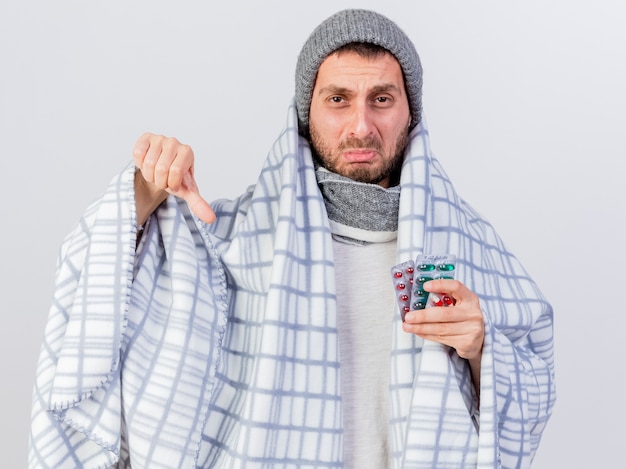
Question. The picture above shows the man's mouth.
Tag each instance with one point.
(359, 155)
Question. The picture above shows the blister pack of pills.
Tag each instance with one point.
(409, 278)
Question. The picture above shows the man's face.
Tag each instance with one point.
(359, 116)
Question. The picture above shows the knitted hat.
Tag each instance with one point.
(346, 27)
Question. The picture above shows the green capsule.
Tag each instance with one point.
(423, 279)
(426, 267)
(446, 267)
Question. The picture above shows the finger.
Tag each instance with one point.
(200, 207)
(140, 149)
(163, 158)
(180, 167)
(151, 157)
(449, 286)
(433, 315)
(449, 292)
(196, 203)
(444, 333)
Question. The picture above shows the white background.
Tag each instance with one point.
(525, 102)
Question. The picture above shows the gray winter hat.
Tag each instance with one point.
(349, 26)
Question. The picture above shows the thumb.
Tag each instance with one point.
(196, 203)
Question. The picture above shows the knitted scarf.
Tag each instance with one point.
(216, 346)
(359, 213)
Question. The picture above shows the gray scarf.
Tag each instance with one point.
(359, 213)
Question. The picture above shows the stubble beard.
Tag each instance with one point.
(366, 173)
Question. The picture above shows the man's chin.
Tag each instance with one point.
(363, 173)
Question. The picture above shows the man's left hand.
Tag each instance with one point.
(460, 326)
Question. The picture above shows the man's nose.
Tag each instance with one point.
(361, 120)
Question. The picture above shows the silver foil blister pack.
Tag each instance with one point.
(409, 278)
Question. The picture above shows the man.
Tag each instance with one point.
(264, 331)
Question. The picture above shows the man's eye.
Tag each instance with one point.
(382, 99)
(336, 99)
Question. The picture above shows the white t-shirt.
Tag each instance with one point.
(365, 308)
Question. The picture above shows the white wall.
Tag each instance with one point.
(525, 103)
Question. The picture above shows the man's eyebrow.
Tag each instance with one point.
(333, 89)
(341, 90)
(386, 87)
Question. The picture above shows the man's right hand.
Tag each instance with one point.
(166, 166)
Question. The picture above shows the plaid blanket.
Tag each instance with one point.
(216, 345)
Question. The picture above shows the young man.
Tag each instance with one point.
(264, 331)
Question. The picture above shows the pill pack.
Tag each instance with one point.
(409, 278)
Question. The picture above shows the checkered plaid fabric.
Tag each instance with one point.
(216, 345)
